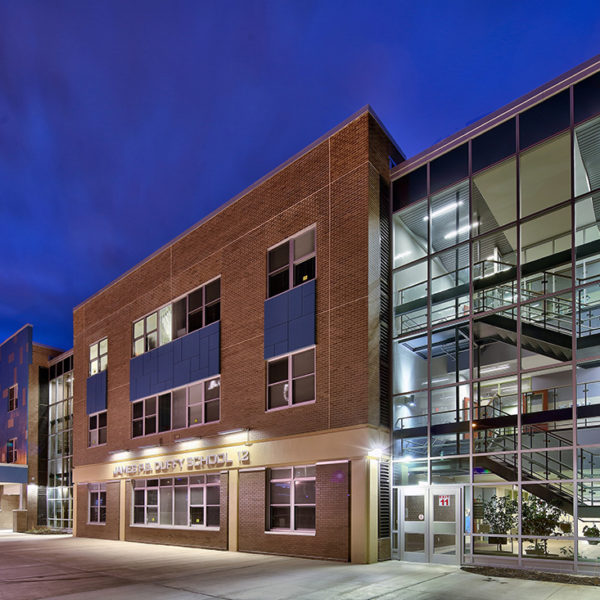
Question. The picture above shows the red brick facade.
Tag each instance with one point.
(329, 186)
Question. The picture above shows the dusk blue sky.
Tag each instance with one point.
(122, 123)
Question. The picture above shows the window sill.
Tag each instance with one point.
(174, 339)
(98, 445)
(179, 527)
(94, 523)
(270, 410)
(292, 288)
(289, 532)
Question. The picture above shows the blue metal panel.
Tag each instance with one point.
(290, 320)
(96, 392)
(16, 354)
(182, 361)
(13, 473)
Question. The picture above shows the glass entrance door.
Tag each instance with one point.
(429, 519)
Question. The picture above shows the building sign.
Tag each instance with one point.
(444, 500)
(181, 465)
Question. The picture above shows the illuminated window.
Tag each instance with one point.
(193, 311)
(196, 404)
(97, 429)
(98, 356)
(291, 379)
(292, 499)
(180, 501)
(97, 503)
(11, 451)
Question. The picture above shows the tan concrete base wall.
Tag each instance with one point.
(8, 503)
(331, 539)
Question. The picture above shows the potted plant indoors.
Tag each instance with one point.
(539, 519)
(500, 513)
(592, 532)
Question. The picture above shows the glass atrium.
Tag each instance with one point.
(496, 350)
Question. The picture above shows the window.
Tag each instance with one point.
(292, 263)
(98, 356)
(97, 502)
(97, 429)
(291, 379)
(13, 397)
(195, 404)
(177, 501)
(11, 451)
(292, 499)
(194, 311)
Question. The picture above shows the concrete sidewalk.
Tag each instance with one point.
(35, 567)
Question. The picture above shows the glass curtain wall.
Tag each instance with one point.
(496, 316)
(60, 451)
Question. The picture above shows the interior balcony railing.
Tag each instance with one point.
(494, 432)
(538, 311)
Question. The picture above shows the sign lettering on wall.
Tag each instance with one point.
(181, 465)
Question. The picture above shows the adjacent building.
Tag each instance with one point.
(360, 357)
(23, 430)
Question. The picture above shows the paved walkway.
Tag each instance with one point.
(33, 567)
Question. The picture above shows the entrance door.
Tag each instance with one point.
(430, 524)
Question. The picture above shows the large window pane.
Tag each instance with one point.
(495, 196)
(586, 96)
(546, 328)
(410, 234)
(449, 168)
(410, 188)
(495, 344)
(410, 364)
(587, 239)
(494, 145)
(494, 270)
(410, 298)
(588, 321)
(449, 217)
(545, 173)
(449, 273)
(546, 254)
(449, 357)
(544, 120)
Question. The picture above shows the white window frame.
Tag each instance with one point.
(199, 480)
(188, 404)
(292, 262)
(96, 491)
(291, 379)
(98, 356)
(13, 397)
(292, 504)
(159, 338)
(95, 432)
